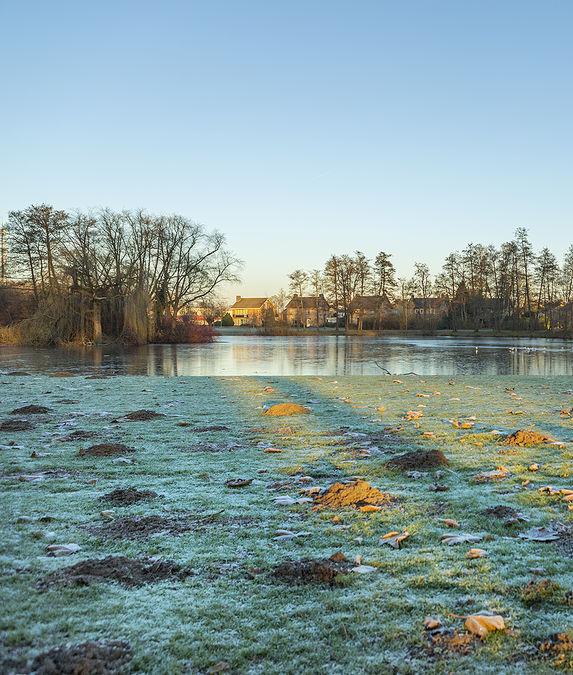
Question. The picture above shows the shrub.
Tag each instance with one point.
(227, 320)
(183, 331)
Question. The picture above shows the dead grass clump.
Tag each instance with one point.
(30, 410)
(308, 571)
(93, 658)
(16, 425)
(419, 459)
(355, 494)
(105, 450)
(558, 648)
(142, 415)
(130, 572)
(286, 409)
(128, 496)
(526, 438)
(135, 527)
(62, 373)
(445, 641)
(537, 592)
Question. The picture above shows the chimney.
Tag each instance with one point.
(237, 298)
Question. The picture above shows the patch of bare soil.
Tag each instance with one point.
(78, 435)
(135, 527)
(30, 410)
(62, 373)
(142, 415)
(357, 494)
(309, 571)
(445, 641)
(130, 572)
(565, 542)
(87, 658)
(19, 373)
(128, 496)
(419, 459)
(286, 409)
(526, 438)
(505, 513)
(105, 450)
(16, 425)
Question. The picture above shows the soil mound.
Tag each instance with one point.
(135, 527)
(87, 658)
(105, 450)
(285, 409)
(444, 641)
(526, 438)
(130, 572)
(30, 410)
(142, 415)
(501, 512)
(356, 494)
(559, 648)
(16, 425)
(127, 496)
(309, 571)
(420, 459)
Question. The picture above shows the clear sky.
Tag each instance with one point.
(300, 128)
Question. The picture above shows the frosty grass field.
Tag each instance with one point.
(228, 603)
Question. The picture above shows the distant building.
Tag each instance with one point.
(435, 307)
(251, 311)
(307, 311)
(369, 311)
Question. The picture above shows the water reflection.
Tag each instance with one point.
(309, 355)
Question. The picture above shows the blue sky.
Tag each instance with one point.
(299, 128)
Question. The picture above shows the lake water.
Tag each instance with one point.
(308, 355)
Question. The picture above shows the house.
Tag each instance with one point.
(251, 311)
(369, 311)
(435, 307)
(307, 311)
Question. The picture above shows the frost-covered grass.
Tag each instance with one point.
(255, 623)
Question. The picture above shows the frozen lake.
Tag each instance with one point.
(308, 355)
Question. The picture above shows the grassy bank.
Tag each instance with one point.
(230, 610)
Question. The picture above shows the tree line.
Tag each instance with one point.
(510, 287)
(124, 274)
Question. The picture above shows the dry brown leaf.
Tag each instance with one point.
(394, 539)
(412, 415)
(450, 522)
(369, 508)
(476, 553)
(483, 624)
(431, 623)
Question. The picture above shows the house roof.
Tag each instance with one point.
(428, 303)
(370, 303)
(249, 303)
(307, 302)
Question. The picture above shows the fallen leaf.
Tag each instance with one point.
(271, 451)
(394, 539)
(369, 508)
(450, 522)
(363, 569)
(431, 623)
(454, 539)
(476, 553)
(59, 550)
(497, 474)
(238, 482)
(483, 624)
(412, 415)
(540, 534)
